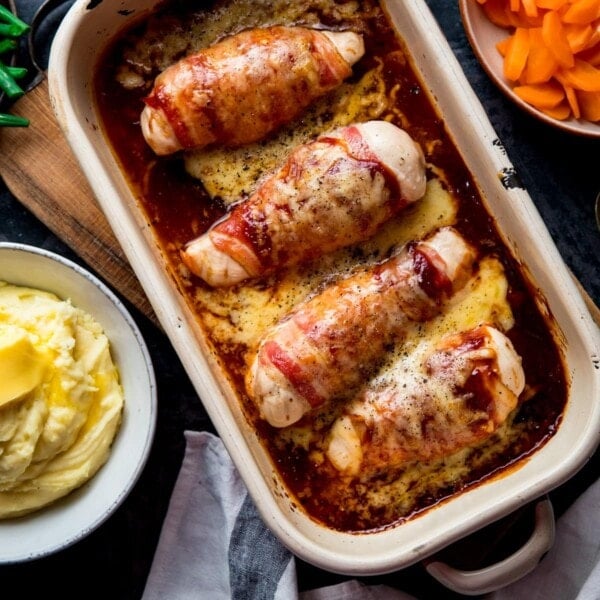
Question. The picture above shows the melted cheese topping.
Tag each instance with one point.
(236, 318)
(242, 318)
(231, 174)
(398, 492)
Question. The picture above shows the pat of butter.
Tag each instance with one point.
(21, 365)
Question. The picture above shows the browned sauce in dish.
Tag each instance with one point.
(182, 195)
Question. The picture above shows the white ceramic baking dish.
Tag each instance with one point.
(84, 33)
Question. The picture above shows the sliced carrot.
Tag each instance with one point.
(582, 76)
(595, 39)
(525, 16)
(578, 36)
(572, 100)
(530, 8)
(582, 12)
(560, 112)
(555, 39)
(552, 53)
(541, 64)
(551, 4)
(497, 12)
(591, 55)
(516, 54)
(502, 45)
(541, 95)
(524, 19)
(590, 105)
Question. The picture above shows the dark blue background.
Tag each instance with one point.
(562, 174)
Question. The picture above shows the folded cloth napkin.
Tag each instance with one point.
(214, 545)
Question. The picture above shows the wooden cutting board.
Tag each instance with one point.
(41, 171)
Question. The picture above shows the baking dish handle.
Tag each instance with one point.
(509, 570)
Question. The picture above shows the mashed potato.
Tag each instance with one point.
(60, 399)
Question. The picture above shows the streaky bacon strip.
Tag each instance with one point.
(464, 390)
(330, 193)
(292, 370)
(243, 87)
(335, 340)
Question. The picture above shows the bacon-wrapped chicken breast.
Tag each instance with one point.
(331, 343)
(245, 86)
(330, 193)
(465, 390)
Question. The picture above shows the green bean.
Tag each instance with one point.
(7, 83)
(7, 120)
(11, 19)
(7, 46)
(11, 28)
(11, 31)
(16, 72)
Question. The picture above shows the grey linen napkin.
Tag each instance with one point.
(214, 545)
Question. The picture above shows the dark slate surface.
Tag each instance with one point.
(561, 173)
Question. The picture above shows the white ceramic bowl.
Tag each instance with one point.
(483, 36)
(81, 40)
(72, 518)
